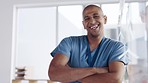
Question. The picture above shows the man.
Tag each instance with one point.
(90, 58)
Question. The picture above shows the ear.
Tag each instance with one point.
(105, 19)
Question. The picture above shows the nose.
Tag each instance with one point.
(92, 21)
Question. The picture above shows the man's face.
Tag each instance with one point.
(93, 21)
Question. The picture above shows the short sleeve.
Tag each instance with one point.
(119, 53)
(63, 48)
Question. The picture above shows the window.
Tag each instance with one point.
(69, 21)
(40, 29)
(36, 38)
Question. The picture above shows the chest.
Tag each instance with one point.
(79, 56)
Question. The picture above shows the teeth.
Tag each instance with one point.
(94, 27)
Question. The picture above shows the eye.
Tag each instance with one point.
(96, 16)
(86, 18)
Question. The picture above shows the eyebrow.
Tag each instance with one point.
(85, 17)
(93, 15)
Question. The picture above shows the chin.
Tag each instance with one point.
(95, 35)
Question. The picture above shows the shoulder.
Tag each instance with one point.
(113, 42)
(74, 38)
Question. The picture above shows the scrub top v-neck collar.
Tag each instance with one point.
(92, 58)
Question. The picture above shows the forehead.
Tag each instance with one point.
(92, 10)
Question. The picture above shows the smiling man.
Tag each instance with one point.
(90, 58)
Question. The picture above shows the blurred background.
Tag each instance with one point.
(37, 27)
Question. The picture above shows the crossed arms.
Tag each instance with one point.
(61, 72)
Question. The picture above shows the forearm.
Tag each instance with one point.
(67, 74)
(114, 75)
(102, 70)
(102, 78)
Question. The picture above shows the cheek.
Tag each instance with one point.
(85, 25)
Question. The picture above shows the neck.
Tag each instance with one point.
(94, 42)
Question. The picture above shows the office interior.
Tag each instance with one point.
(30, 30)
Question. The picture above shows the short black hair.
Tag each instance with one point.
(91, 5)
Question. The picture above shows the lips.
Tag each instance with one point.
(94, 27)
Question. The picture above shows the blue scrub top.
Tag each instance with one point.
(76, 49)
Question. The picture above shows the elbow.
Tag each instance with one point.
(114, 81)
(54, 75)
(51, 77)
(51, 74)
(117, 80)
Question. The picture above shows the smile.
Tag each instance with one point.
(94, 27)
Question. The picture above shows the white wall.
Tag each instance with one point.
(5, 40)
(6, 23)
